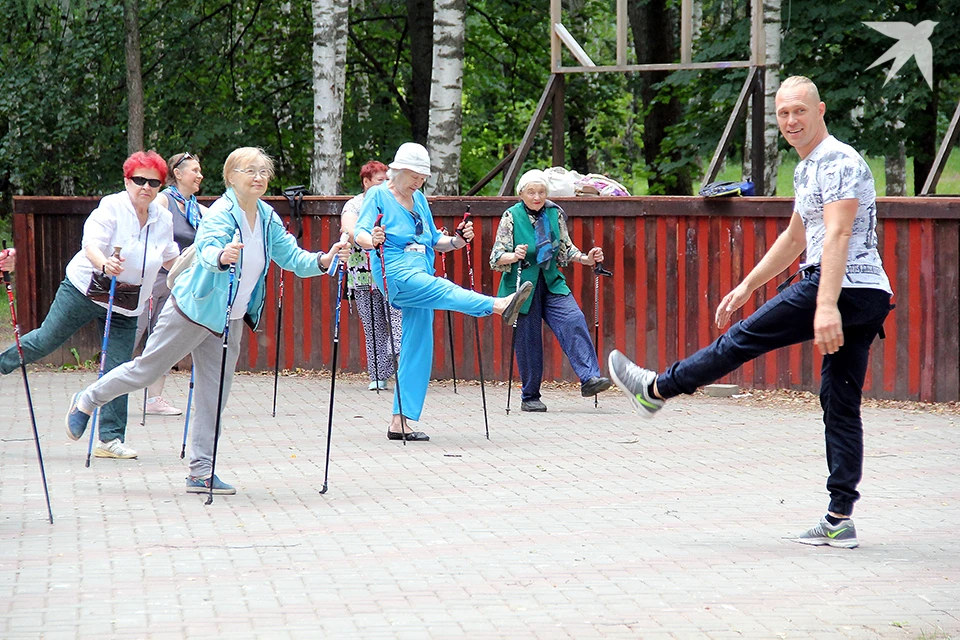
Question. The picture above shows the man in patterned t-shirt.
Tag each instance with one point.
(840, 302)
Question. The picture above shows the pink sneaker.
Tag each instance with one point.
(159, 407)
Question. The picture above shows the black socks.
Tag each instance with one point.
(834, 521)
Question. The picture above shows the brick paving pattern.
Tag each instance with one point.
(576, 523)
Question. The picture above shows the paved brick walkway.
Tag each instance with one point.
(577, 523)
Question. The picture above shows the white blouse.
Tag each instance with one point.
(114, 223)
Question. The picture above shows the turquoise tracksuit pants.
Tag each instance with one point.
(418, 294)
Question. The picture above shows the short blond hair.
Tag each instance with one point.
(243, 157)
(796, 82)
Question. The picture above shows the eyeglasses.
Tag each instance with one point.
(140, 181)
(185, 156)
(418, 221)
(259, 173)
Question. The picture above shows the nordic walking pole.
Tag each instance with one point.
(393, 343)
(103, 356)
(513, 340)
(598, 271)
(453, 358)
(483, 393)
(223, 369)
(26, 384)
(333, 374)
(276, 360)
(143, 418)
(186, 422)
(373, 337)
(294, 197)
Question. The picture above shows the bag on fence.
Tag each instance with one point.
(594, 184)
(560, 182)
(715, 189)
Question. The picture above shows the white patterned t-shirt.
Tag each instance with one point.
(835, 171)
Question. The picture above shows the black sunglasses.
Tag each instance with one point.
(418, 221)
(140, 181)
(185, 156)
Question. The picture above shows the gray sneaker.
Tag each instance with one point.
(635, 382)
(843, 535)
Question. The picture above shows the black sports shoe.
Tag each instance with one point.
(533, 405)
(595, 385)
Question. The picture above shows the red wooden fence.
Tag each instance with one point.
(673, 259)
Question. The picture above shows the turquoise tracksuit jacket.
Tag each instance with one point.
(201, 290)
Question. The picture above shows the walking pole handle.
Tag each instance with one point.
(466, 218)
(600, 271)
(6, 274)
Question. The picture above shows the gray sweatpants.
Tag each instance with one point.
(173, 338)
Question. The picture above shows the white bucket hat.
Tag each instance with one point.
(534, 176)
(412, 156)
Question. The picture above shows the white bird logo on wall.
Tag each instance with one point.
(912, 41)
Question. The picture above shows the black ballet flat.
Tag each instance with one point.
(410, 436)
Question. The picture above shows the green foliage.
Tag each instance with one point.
(219, 74)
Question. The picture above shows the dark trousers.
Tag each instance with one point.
(788, 319)
(70, 311)
(566, 320)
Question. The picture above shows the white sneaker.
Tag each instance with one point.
(159, 407)
(114, 449)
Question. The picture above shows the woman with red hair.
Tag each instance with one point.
(144, 233)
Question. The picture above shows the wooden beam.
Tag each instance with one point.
(946, 146)
(558, 125)
(758, 40)
(686, 32)
(555, 16)
(660, 66)
(622, 21)
(573, 45)
(735, 117)
(506, 189)
(492, 174)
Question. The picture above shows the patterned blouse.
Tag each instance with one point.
(567, 253)
(358, 264)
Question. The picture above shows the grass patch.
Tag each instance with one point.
(6, 328)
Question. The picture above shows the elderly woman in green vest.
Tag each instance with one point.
(533, 238)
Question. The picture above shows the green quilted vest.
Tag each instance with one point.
(523, 233)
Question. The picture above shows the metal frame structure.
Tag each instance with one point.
(553, 93)
(949, 139)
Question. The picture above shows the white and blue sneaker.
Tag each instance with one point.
(76, 419)
(635, 382)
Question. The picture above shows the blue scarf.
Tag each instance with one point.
(547, 243)
(191, 208)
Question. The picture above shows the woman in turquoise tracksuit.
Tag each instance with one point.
(410, 237)
(238, 229)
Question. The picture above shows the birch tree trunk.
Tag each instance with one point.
(771, 130)
(895, 170)
(329, 62)
(771, 80)
(446, 92)
(131, 27)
